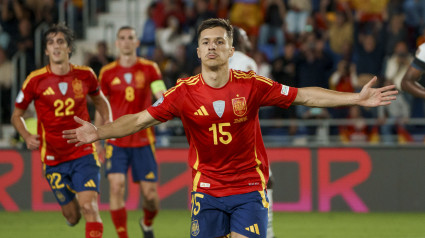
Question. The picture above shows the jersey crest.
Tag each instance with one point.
(63, 87)
(139, 79)
(77, 86)
(239, 106)
(219, 107)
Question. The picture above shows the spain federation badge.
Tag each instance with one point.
(239, 106)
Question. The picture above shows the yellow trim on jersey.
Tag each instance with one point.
(265, 80)
(151, 63)
(195, 166)
(151, 139)
(107, 67)
(242, 74)
(84, 68)
(34, 74)
(264, 200)
(43, 138)
(157, 86)
(95, 155)
(190, 81)
(196, 181)
(263, 180)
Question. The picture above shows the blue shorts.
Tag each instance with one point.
(245, 214)
(68, 178)
(141, 160)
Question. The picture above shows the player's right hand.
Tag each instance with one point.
(87, 133)
(32, 142)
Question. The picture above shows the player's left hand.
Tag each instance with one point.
(85, 134)
(372, 97)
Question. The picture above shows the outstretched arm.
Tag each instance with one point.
(121, 127)
(368, 97)
(410, 84)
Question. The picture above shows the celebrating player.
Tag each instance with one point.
(59, 92)
(219, 110)
(128, 83)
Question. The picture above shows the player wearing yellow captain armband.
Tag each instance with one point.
(59, 92)
(219, 111)
(129, 83)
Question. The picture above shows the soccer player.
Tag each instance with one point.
(129, 83)
(410, 83)
(241, 61)
(59, 92)
(219, 110)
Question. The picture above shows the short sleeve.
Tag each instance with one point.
(26, 94)
(168, 106)
(271, 93)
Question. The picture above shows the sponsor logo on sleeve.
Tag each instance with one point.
(20, 97)
(158, 102)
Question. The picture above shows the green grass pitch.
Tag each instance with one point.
(176, 224)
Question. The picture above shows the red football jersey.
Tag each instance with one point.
(128, 90)
(57, 99)
(226, 151)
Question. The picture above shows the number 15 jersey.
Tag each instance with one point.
(226, 151)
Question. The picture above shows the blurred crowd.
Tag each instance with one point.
(336, 44)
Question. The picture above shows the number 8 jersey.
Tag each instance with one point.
(57, 99)
(226, 151)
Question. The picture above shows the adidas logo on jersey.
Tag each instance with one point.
(48, 91)
(201, 112)
(90, 184)
(150, 175)
(116, 81)
(253, 229)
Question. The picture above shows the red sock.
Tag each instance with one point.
(149, 216)
(94, 229)
(119, 218)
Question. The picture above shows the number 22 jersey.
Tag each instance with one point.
(226, 150)
(57, 99)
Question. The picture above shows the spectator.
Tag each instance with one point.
(147, 39)
(344, 79)
(271, 38)
(395, 33)
(5, 85)
(247, 15)
(97, 60)
(296, 17)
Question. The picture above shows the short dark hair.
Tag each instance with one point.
(125, 28)
(68, 33)
(217, 22)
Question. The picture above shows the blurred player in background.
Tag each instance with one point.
(410, 83)
(129, 83)
(219, 110)
(59, 92)
(241, 61)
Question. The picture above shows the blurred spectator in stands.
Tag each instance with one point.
(147, 39)
(340, 34)
(264, 67)
(171, 37)
(395, 32)
(393, 118)
(415, 19)
(247, 15)
(369, 48)
(44, 10)
(397, 64)
(12, 13)
(201, 12)
(358, 132)
(4, 38)
(100, 58)
(370, 10)
(344, 79)
(283, 72)
(240, 59)
(168, 8)
(221, 8)
(6, 69)
(25, 43)
(296, 17)
(271, 38)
